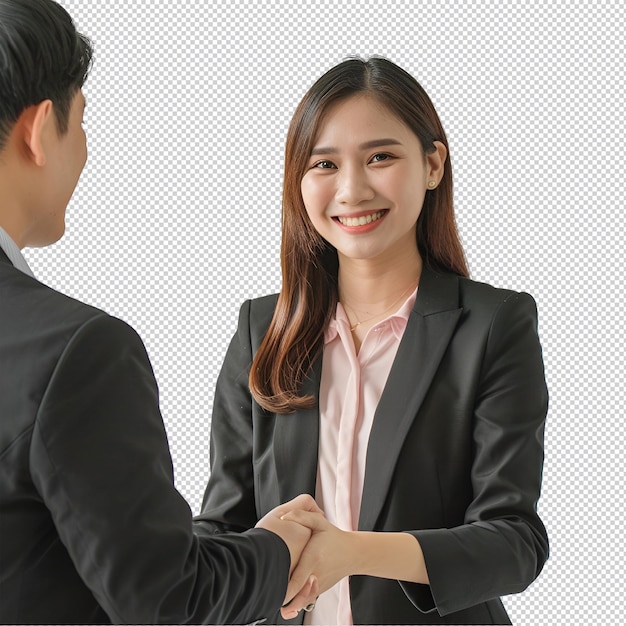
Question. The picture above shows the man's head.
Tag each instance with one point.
(42, 57)
(44, 62)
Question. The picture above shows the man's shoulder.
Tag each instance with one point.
(38, 324)
(26, 302)
(41, 331)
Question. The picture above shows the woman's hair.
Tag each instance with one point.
(308, 297)
(41, 57)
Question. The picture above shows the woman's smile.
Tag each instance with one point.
(361, 222)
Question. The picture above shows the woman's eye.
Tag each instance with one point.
(381, 156)
(324, 165)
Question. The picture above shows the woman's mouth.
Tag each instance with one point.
(361, 220)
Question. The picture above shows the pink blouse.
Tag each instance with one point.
(350, 389)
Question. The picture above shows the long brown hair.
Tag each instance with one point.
(308, 297)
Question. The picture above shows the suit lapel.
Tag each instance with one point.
(296, 443)
(429, 330)
(4, 258)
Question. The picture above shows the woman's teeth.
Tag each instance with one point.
(362, 220)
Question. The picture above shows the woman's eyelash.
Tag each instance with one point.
(324, 164)
(381, 154)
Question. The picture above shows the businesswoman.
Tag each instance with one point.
(407, 398)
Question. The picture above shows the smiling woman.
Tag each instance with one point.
(353, 188)
(388, 101)
(408, 399)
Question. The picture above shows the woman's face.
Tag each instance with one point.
(366, 180)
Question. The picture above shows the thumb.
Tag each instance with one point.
(304, 597)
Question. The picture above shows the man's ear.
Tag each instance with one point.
(35, 122)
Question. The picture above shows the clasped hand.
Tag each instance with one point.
(320, 552)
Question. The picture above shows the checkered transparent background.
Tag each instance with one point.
(176, 218)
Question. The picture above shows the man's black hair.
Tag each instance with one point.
(42, 57)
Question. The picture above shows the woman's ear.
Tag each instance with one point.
(34, 124)
(435, 164)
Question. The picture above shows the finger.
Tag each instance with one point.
(299, 601)
(303, 502)
(301, 574)
(313, 521)
(304, 598)
(311, 505)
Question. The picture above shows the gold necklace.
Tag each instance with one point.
(369, 319)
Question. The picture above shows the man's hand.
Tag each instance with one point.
(296, 536)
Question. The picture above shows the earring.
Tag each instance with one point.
(431, 184)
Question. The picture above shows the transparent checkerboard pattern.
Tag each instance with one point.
(176, 218)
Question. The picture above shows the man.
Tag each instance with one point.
(91, 527)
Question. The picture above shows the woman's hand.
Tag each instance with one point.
(329, 556)
(332, 554)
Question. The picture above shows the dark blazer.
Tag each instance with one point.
(92, 529)
(455, 453)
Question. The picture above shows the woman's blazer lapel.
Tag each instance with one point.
(429, 330)
(296, 436)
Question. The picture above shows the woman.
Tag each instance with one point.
(408, 399)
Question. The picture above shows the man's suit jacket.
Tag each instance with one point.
(455, 453)
(91, 526)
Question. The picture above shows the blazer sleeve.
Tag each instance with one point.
(101, 463)
(502, 546)
(229, 500)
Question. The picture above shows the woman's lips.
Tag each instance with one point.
(360, 221)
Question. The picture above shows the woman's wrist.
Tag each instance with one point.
(396, 556)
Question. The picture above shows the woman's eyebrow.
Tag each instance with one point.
(375, 143)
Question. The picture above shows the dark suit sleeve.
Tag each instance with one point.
(503, 545)
(101, 463)
(229, 501)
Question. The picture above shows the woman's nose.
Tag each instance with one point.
(353, 187)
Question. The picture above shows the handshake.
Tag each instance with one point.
(321, 554)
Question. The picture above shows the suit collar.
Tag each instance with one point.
(4, 258)
(13, 254)
(437, 293)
